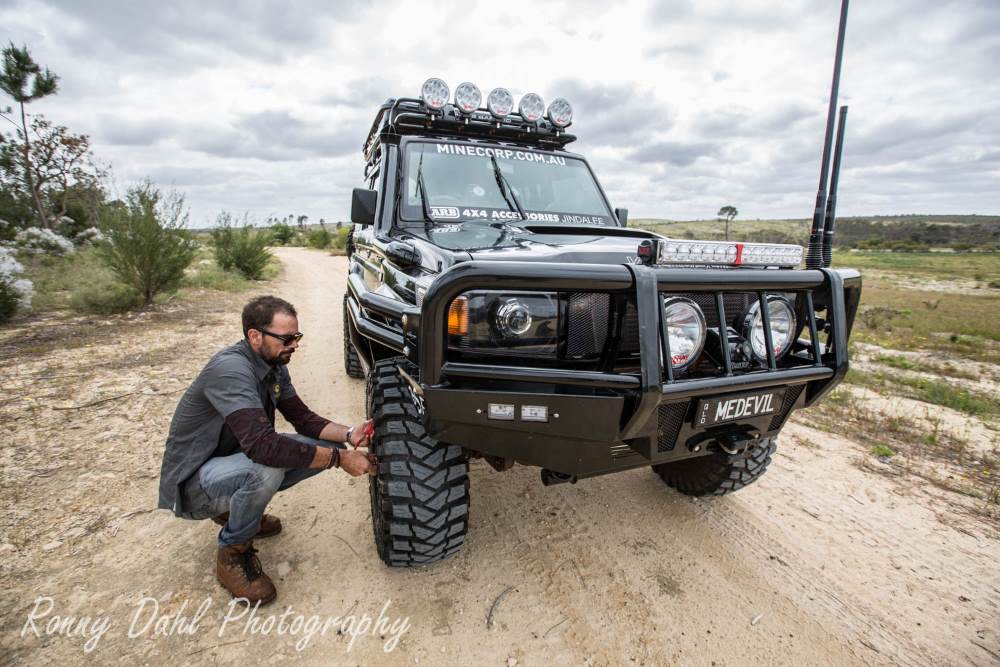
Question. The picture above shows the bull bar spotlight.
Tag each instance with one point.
(686, 327)
(783, 326)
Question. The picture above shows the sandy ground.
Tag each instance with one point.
(821, 562)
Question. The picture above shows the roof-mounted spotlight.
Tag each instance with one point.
(500, 102)
(434, 93)
(560, 112)
(468, 97)
(531, 107)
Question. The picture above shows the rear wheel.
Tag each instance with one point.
(420, 495)
(352, 363)
(718, 473)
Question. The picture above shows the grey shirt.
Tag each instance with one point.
(236, 388)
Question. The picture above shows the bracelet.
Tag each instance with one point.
(334, 458)
(350, 432)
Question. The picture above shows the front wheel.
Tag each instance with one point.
(718, 473)
(420, 495)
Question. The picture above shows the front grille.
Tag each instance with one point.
(588, 322)
(669, 420)
(735, 303)
(791, 395)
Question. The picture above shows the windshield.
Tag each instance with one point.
(491, 183)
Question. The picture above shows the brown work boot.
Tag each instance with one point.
(269, 525)
(238, 570)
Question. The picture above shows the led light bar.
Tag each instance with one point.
(728, 254)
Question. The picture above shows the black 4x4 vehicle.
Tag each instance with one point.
(500, 308)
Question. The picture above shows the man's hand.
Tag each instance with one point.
(356, 463)
(361, 435)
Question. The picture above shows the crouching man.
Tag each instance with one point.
(223, 459)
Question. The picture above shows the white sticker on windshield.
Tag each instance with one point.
(502, 153)
(445, 212)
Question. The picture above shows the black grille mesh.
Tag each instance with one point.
(791, 395)
(669, 420)
(589, 320)
(735, 303)
(588, 324)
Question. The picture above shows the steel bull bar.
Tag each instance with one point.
(598, 420)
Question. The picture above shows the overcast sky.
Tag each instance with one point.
(680, 106)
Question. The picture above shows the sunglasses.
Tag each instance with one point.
(285, 339)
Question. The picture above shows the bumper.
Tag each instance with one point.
(613, 421)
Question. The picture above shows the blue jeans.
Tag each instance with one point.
(237, 485)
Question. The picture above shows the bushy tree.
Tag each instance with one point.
(146, 244)
(240, 247)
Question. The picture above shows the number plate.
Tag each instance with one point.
(714, 411)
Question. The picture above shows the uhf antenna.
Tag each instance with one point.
(831, 203)
(814, 257)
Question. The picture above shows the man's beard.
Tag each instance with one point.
(279, 359)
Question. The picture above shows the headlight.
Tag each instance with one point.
(560, 112)
(686, 328)
(782, 317)
(505, 323)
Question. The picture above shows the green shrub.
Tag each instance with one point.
(105, 298)
(146, 244)
(282, 233)
(318, 238)
(882, 451)
(240, 248)
(340, 240)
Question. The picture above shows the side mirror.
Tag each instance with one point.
(363, 204)
(622, 215)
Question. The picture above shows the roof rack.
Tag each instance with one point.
(407, 115)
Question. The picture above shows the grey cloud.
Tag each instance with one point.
(612, 114)
(119, 131)
(176, 34)
(670, 11)
(678, 153)
(276, 136)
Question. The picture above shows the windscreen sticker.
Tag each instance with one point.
(503, 153)
(504, 215)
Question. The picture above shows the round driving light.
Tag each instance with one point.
(513, 318)
(468, 97)
(560, 112)
(686, 328)
(434, 93)
(782, 318)
(500, 102)
(531, 107)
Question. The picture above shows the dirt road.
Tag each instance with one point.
(821, 562)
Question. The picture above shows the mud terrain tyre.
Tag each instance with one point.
(718, 473)
(352, 364)
(420, 495)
